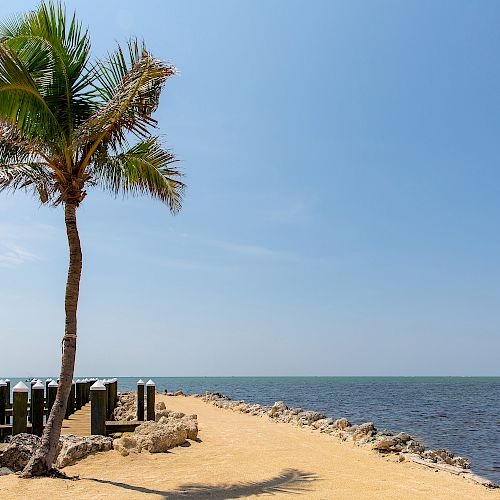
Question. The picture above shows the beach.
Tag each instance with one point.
(240, 455)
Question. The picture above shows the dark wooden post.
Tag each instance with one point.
(98, 409)
(84, 391)
(32, 383)
(70, 406)
(115, 393)
(150, 399)
(19, 408)
(140, 400)
(79, 394)
(88, 383)
(107, 384)
(47, 382)
(111, 387)
(3, 401)
(51, 395)
(7, 400)
(37, 409)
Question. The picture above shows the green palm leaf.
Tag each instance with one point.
(129, 87)
(146, 168)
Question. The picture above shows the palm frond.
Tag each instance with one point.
(21, 104)
(146, 168)
(55, 51)
(129, 86)
(30, 176)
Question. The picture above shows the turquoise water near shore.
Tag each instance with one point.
(458, 413)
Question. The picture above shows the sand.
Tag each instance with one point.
(242, 456)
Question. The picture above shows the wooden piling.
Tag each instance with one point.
(112, 393)
(37, 409)
(150, 399)
(30, 414)
(79, 394)
(3, 401)
(115, 393)
(140, 400)
(98, 409)
(7, 399)
(51, 395)
(87, 389)
(70, 405)
(19, 408)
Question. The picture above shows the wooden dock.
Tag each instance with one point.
(78, 423)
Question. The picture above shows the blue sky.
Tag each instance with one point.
(342, 212)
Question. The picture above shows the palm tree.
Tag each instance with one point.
(66, 124)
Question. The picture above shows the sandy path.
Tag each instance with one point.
(245, 456)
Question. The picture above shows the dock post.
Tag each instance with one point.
(30, 415)
(37, 409)
(88, 384)
(7, 400)
(115, 392)
(98, 409)
(51, 396)
(109, 398)
(70, 405)
(19, 408)
(47, 382)
(150, 399)
(3, 401)
(79, 394)
(140, 400)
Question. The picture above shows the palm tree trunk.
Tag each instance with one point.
(42, 460)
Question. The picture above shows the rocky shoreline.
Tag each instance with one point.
(402, 445)
(170, 429)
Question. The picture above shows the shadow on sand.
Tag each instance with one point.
(290, 481)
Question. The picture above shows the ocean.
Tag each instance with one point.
(458, 413)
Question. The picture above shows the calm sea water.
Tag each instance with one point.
(459, 413)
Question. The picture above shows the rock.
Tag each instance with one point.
(308, 417)
(342, 423)
(191, 423)
(4, 471)
(160, 405)
(19, 451)
(364, 432)
(126, 444)
(70, 449)
(74, 448)
(447, 457)
(319, 423)
(126, 408)
(179, 393)
(402, 442)
(277, 407)
(158, 437)
(160, 414)
(462, 462)
(414, 446)
(388, 445)
(170, 430)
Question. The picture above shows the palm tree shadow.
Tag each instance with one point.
(290, 481)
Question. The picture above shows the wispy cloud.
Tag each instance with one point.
(12, 255)
(16, 241)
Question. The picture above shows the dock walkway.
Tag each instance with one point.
(78, 423)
